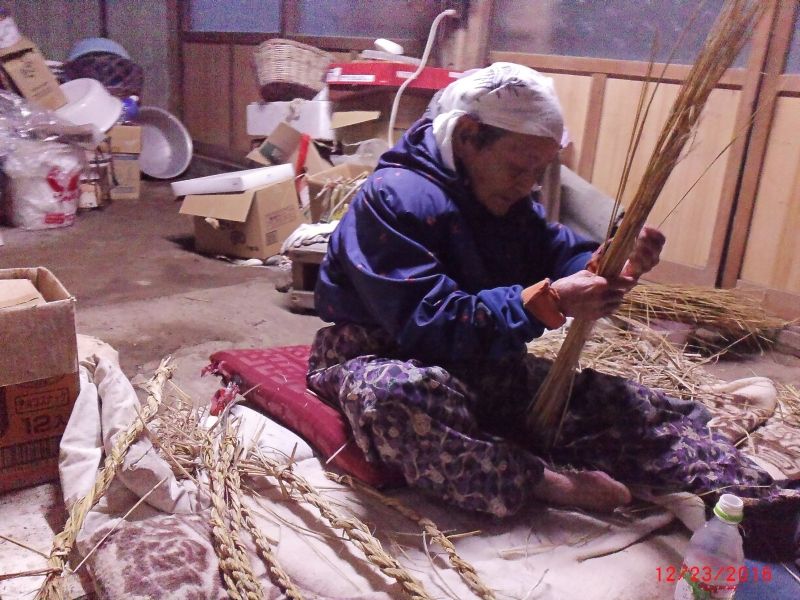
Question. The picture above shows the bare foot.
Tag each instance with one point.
(591, 490)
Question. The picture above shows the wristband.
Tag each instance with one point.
(541, 300)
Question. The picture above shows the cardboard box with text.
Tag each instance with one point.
(38, 374)
(249, 224)
(23, 69)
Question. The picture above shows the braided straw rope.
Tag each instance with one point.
(233, 562)
(242, 516)
(464, 569)
(52, 587)
(353, 528)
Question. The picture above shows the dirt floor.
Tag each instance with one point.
(141, 288)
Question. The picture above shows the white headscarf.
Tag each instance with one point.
(505, 95)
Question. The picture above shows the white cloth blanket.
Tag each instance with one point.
(541, 553)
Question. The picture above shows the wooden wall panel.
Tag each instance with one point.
(56, 25)
(206, 92)
(773, 245)
(573, 92)
(244, 90)
(690, 228)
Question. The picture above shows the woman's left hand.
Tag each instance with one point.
(646, 253)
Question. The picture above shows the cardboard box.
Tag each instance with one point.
(285, 145)
(125, 139)
(250, 224)
(38, 378)
(365, 115)
(24, 70)
(316, 183)
(126, 171)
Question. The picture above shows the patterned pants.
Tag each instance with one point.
(458, 432)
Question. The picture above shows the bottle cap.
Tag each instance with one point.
(729, 508)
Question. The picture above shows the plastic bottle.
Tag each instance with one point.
(712, 566)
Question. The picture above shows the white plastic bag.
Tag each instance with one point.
(45, 184)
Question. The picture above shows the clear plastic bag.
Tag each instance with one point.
(43, 157)
(44, 183)
(21, 121)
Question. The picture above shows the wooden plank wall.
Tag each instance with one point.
(773, 245)
(763, 246)
(689, 229)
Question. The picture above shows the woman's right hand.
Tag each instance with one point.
(589, 296)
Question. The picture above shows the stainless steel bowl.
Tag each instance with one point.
(166, 144)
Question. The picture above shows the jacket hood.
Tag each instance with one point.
(417, 151)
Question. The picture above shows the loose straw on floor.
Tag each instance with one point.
(729, 34)
(52, 587)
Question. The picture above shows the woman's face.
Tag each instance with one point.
(504, 171)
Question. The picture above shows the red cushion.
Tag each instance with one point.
(276, 380)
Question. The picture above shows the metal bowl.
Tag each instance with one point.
(97, 44)
(166, 144)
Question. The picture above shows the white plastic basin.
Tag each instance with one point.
(89, 103)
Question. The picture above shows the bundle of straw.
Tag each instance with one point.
(642, 355)
(727, 37)
(735, 315)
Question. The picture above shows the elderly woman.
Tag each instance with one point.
(440, 272)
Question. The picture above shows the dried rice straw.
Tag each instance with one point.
(335, 194)
(52, 587)
(242, 517)
(732, 313)
(644, 356)
(729, 34)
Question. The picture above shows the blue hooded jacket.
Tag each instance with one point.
(418, 256)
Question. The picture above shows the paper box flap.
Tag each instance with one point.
(22, 45)
(226, 207)
(19, 293)
(353, 117)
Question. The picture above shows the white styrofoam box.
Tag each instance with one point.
(312, 117)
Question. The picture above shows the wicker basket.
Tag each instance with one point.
(287, 69)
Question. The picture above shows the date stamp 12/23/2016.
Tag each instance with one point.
(723, 574)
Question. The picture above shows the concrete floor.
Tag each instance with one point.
(141, 288)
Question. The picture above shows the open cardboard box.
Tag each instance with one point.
(363, 115)
(38, 374)
(24, 70)
(286, 145)
(249, 224)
